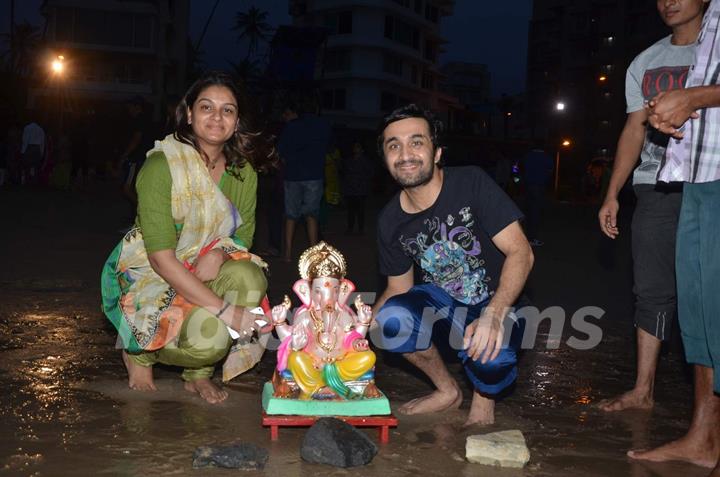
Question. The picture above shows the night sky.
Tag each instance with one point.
(494, 33)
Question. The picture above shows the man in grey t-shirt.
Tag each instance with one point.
(662, 67)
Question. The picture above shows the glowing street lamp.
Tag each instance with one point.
(566, 143)
(58, 65)
(560, 106)
(602, 78)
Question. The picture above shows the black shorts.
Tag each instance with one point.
(654, 226)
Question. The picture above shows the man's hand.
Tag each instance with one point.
(669, 110)
(484, 336)
(608, 217)
(207, 266)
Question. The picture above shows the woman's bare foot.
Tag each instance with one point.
(140, 378)
(633, 399)
(482, 411)
(440, 400)
(683, 449)
(207, 390)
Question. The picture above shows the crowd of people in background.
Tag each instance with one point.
(324, 170)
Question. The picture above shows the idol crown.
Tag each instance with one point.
(322, 260)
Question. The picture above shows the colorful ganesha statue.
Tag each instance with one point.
(323, 352)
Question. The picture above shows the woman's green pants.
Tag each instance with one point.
(204, 339)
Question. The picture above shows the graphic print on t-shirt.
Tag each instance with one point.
(656, 81)
(449, 256)
(666, 78)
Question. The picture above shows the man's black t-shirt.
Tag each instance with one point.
(451, 241)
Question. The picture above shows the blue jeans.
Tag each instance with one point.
(408, 321)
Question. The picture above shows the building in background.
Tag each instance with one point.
(468, 82)
(112, 50)
(578, 52)
(378, 55)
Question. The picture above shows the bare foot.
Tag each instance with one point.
(482, 411)
(683, 449)
(207, 390)
(434, 402)
(140, 378)
(632, 399)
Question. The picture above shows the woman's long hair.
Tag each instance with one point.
(247, 144)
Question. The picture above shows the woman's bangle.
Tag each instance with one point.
(222, 309)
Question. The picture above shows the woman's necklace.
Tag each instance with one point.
(213, 164)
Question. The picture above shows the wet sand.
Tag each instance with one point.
(65, 408)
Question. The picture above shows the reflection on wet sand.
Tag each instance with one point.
(65, 408)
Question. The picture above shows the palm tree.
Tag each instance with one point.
(246, 70)
(22, 46)
(253, 27)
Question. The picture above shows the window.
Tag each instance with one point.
(392, 64)
(120, 30)
(414, 74)
(143, 31)
(390, 101)
(430, 52)
(333, 99)
(337, 60)
(89, 26)
(97, 27)
(64, 24)
(428, 82)
(339, 23)
(402, 32)
(387, 101)
(432, 13)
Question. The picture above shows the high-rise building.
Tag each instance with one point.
(468, 82)
(578, 52)
(112, 50)
(379, 54)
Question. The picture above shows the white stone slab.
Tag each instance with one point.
(504, 449)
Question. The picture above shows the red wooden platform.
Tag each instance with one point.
(383, 423)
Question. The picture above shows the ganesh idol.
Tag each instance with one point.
(324, 353)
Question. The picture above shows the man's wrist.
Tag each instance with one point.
(496, 312)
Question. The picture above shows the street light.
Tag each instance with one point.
(58, 64)
(566, 143)
(602, 78)
(560, 106)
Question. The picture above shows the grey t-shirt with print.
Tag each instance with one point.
(662, 67)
